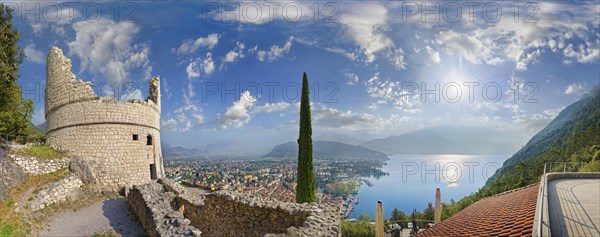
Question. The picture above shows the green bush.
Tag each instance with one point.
(357, 229)
(590, 167)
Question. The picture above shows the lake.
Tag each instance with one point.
(412, 181)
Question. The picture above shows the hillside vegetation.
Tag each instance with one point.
(573, 136)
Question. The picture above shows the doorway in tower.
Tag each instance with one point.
(153, 171)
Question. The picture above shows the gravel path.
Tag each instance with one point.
(100, 217)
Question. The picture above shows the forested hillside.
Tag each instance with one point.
(573, 136)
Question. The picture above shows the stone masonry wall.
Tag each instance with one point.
(230, 214)
(119, 160)
(65, 189)
(34, 166)
(152, 205)
(61, 86)
(112, 133)
(226, 213)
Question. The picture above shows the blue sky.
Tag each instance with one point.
(231, 71)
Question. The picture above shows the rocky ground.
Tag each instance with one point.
(10, 175)
(106, 216)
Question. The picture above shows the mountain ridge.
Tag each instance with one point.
(326, 150)
(472, 140)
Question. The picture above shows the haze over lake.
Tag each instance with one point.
(412, 181)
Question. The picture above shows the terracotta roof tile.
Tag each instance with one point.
(510, 213)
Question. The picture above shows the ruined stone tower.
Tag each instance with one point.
(119, 141)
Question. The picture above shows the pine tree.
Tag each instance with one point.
(305, 188)
(15, 112)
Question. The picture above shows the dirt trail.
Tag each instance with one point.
(101, 217)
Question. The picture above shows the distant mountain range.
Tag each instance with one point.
(182, 153)
(41, 127)
(448, 140)
(177, 152)
(327, 150)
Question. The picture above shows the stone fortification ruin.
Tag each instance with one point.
(118, 141)
(165, 208)
(115, 145)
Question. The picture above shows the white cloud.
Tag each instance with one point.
(352, 78)
(166, 89)
(433, 55)
(237, 114)
(183, 119)
(575, 88)
(206, 65)
(37, 28)
(199, 119)
(532, 122)
(189, 108)
(235, 53)
(453, 185)
(467, 46)
(192, 70)
(396, 57)
(106, 48)
(366, 22)
(585, 53)
(345, 53)
(275, 52)
(170, 124)
(57, 18)
(348, 54)
(391, 92)
(552, 113)
(271, 107)
(523, 43)
(261, 12)
(191, 46)
(515, 84)
(188, 103)
(131, 94)
(357, 122)
(33, 54)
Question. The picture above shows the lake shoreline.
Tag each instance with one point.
(413, 178)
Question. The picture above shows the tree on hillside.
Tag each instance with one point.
(364, 217)
(429, 212)
(15, 112)
(305, 188)
(398, 215)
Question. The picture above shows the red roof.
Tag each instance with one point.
(506, 214)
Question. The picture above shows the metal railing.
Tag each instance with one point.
(541, 201)
(563, 167)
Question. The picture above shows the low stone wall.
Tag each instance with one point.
(34, 166)
(227, 213)
(572, 175)
(152, 205)
(65, 189)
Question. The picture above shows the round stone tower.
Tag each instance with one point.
(120, 140)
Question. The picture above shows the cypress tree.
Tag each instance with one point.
(305, 188)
